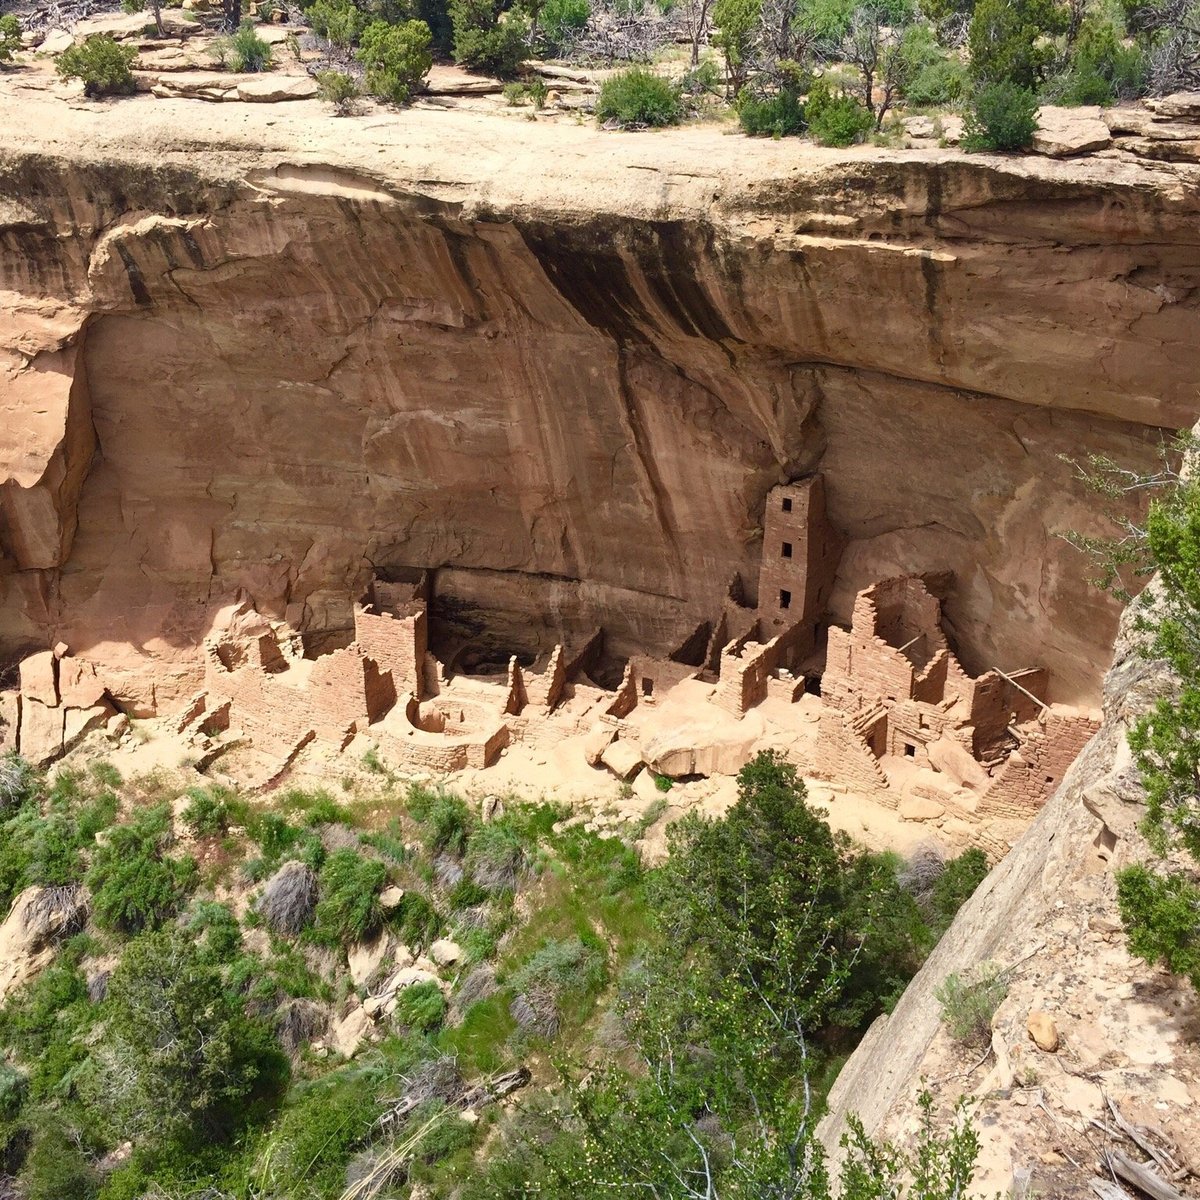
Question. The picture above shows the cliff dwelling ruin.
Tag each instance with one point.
(883, 708)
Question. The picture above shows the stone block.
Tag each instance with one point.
(597, 740)
(622, 758)
(1043, 1030)
(954, 760)
(78, 721)
(39, 678)
(920, 808)
(1063, 132)
(41, 732)
(78, 684)
(273, 89)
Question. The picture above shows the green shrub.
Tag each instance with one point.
(57, 1166)
(968, 1006)
(1161, 915)
(421, 1006)
(495, 856)
(534, 92)
(348, 910)
(305, 1155)
(102, 63)
(1002, 116)
(415, 919)
(338, 21)
(943, 82)
(1102, 68)
(210, 810)
(19, 782)
(485, 41)
(775, 116)
(836, 119)
(248, 52)
(339, 89)
(317, 808)
(954, 887)
(10, 37)
(637, 97)
(1011, 41)
(447, 819)
(562, 20)
(569, 967)
(134, 884)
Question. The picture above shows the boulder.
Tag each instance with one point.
(1043, 1030)
(365, 958)
(596, 741)
(348, 1034)
(78, 721)
(271, 89)
(56, 41)
(41, 732)
(1063, 132)
(211, 87)
(391, 897)
(445, 953)
(954, 760)
(920, 808)
(39, 678)
(38, 919)
(78, 684)
(622, 758)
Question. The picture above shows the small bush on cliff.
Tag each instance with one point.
(775, 116)
(638, 98)
(968, 1005)
(836, 118)
(102, 63)
(341, 90)
(397, 59)
(248, 52)
(10, 37)
(349, 908)
(1162, 918)
(1002, 116)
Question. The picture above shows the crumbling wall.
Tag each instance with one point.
(398, 642)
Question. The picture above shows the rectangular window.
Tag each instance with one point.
(785, 599)
(787, 504)
(787, 549)
(910, 751)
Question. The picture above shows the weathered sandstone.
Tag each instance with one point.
(248, 348)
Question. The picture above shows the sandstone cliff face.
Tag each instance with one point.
(275, 352)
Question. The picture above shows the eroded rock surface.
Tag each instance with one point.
(270, 352)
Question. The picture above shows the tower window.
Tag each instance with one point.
(910, 751)
(785, 599)
(787, 549)
(787, 504)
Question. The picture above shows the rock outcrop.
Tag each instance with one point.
(271, 353)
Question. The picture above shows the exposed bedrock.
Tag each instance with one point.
(232, 374)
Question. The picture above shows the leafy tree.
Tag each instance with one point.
(563, 20)
(102, 63)
(735, 25)
(10, 37)
(1010, 40)
(1101, 67)
(486, 41)
(338, 21)
(1002, 116)
(1161, 915)
(180, 1062)
(397, 59)
(1168, 32)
